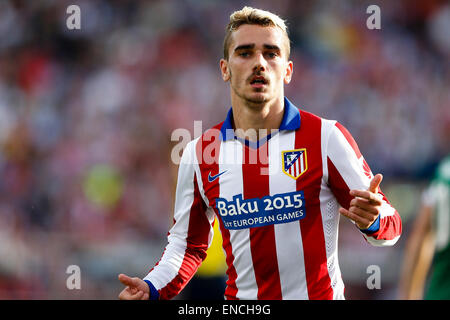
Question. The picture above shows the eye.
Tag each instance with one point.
(244, 54)
(271, 54)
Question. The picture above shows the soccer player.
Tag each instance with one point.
(274, 176)
(428, 248)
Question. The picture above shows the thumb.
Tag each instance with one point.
(375, 183)
(126, 280)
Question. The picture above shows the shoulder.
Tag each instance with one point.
(213, 135)
(307, 116)
(197, 149)
(327, 126)
(443, 171)
(333, 132)
(208, 135)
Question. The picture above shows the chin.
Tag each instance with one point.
(259, 98)
(253, 98)
(256, 103)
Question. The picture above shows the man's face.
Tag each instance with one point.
(257, 67)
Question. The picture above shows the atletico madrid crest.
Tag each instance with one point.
(294, 162)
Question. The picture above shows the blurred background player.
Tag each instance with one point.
(426, 265)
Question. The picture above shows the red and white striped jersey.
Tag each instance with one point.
(277, 205)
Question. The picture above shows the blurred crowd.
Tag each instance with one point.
(86, 117)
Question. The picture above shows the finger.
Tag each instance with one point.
(365, 205)
(375, 199)
(369, 217)
(132, 290)
(146, 296)
(354, 217)
(375, 183)
(124, 279)
(137, 296)
(125, 294)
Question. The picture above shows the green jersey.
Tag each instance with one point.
(438, 195)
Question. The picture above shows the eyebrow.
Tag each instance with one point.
(244, 47)
(251, 46)
(271, 47)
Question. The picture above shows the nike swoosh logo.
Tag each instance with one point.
(212, 178)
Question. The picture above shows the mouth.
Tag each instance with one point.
(258, 81)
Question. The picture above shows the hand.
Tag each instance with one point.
(365, 206)
(137, 289)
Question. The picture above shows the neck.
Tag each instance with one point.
(255, 121)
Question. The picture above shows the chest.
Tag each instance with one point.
(276, 183)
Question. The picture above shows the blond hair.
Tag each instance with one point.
(249, 15)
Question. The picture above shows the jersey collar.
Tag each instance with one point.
(291, 121)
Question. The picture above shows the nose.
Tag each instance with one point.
(260, 63)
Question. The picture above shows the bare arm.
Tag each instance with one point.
(418, 257)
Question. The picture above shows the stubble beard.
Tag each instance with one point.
(252, 102)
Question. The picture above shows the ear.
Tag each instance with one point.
(289, 71)
(225, 70)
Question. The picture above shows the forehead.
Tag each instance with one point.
(257, 35)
